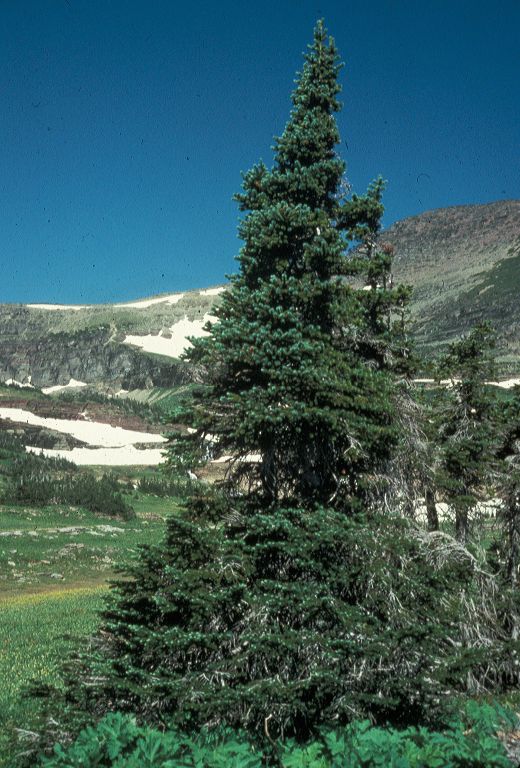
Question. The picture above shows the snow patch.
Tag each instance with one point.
(174, 346)
(14, 383)
(250, 458)
(506, 384)
(173, 298)
(73, 384)
(444, 382)
(91, 432)
(54, 307)
(127, 455)
(213, 291)
(488, 508)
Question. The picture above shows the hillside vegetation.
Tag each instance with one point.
(464, 265)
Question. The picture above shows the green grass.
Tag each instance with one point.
(40, 547)
(54, 565)
(161, 399)
(19, 393)
(35, 633)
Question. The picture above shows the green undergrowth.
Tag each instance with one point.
(467, 742)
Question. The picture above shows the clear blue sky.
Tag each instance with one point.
(125, 126)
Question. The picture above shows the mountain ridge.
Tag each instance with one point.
(463, 263)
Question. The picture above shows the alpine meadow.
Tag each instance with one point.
(337, 583)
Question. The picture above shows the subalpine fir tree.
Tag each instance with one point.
(290, 611)
(298, 362)
(466, 425)
(508, 454)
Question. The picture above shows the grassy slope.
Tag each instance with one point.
(33, 639)
(70, 545)
(40, 614)
(120, 319)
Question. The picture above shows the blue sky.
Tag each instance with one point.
(126, 124)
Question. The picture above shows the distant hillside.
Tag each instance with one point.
(463, 263)
(128, 346)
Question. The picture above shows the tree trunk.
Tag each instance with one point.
(513, 535)
(431, 510)
(461, 525)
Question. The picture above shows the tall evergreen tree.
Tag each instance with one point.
(298, 361)
(290, 609)
(467, 428)
(509, 487)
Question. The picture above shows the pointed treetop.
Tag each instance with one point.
(317, 85)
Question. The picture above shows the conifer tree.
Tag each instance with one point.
(467, 429)
(289, 611)
(509, 487)
(298, 361)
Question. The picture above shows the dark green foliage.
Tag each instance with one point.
(467, 424)
(118, 741)
(39, 480)
(297, 364)
(509, 487)
(307, 616)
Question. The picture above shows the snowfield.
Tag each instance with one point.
(213, 291)
(173, 298)
(14, 383)
(73, 384)
(177, 343)
(125, 456)
(489, 508)
(506, 384)
(110, 446)
(91, 432)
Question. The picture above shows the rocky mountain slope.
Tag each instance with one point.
(463, 263)
(117, 347)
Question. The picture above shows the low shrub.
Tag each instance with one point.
(118, 741)
(39, 480)
(167, 487)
